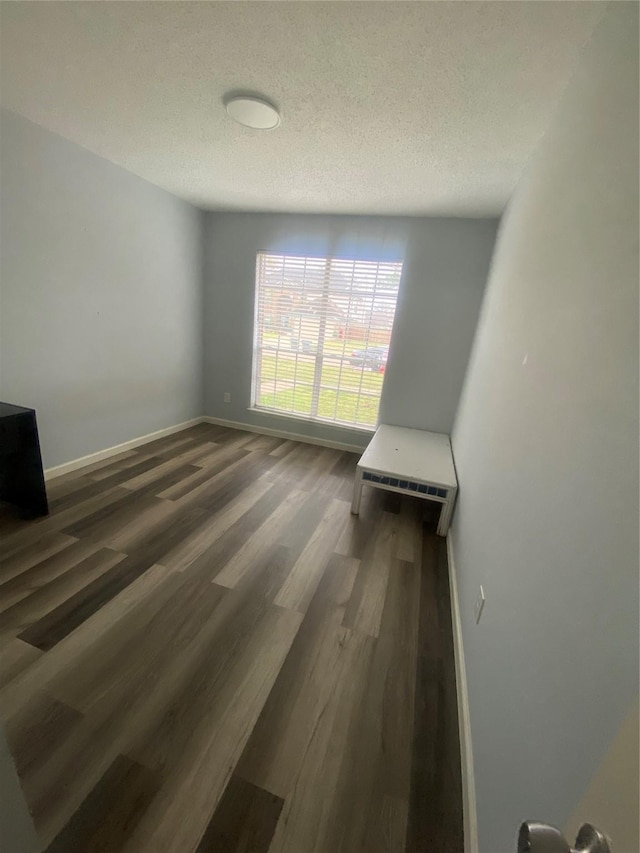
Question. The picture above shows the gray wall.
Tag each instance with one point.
(446, 264)
(100, 296)
(546, 445)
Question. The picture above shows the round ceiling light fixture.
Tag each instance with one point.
(252, 111)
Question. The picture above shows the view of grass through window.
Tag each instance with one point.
(322, 334)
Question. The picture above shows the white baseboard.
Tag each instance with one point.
(281, 433)
(74, 464)
(470, 818)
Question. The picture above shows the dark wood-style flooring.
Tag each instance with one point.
(203, 650)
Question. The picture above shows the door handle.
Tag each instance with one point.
(535, 837)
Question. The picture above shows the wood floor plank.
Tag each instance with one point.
(169, 478)
(44, 572)
(394, 675)
(269, 571)
(248, 470)
(375, 771)
(103, 469)
(364, 612)
(31, 554)
(200, 448)
(214, 526)
(345, 466)
(239, 438)
(11, 526)
(388, 828)
(207, 453)
(15, 658)
(86, 488)
(435, 812)
(319, 468)
(337, 473)
(111, 812)
(267, 443)
(107, 519)
(246, 475)
(43, 724)
(409, 539)
(306, 822)
(292, 465)
(360, 529)
(299, 587)
(245, 550)
(220, 455)
(204, 432)
(219, 433)
(65, 618)
(305, 687)
(184, 521)
(201, 476)
(140, 667)
(94, 488)
(130, 656)
(169, 444)
(283, 449)
(66, 484)
(204, 484)
(84, 644)
(200, 776)
(219, 462)
(155, 540)
(206, 657)
(265, 510)
(38, 606)
(278, 551)
(244, 821)
(152, 514)
(58, 520)
(165, 466)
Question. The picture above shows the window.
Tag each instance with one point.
(322, 333)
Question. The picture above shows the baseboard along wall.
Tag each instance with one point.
(466, 751)
(98, 456)
(281, 433)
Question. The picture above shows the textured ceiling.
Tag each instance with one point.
(398, 108)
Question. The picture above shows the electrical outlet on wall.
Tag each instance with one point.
(227, 397)
(479, 605)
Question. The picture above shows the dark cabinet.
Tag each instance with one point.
(21, 474)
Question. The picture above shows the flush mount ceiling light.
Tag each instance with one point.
(252, 112)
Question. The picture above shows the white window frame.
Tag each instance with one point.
(320, 355)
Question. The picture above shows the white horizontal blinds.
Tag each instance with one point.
(323, 327)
